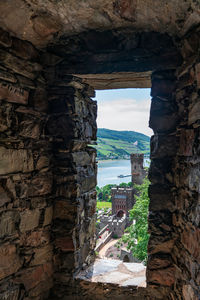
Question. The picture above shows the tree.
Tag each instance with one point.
(137, 234)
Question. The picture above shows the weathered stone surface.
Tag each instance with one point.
(165, 277)
(163, 145)
(4, 198)
(194, 114)
(32, 277)
(190, 239)
(45, 25)
(5, 39)
(42, 256)
(48, 215)
(64, 211)
(13, 94)
(186, 142)
(65, 243)
(29, 220)
(197, 70)
(19, 66)
(40, 185)
(161, 198)
(35, 238)
(10, 294)
(24, 49)
(9, 260)
(8, 223)
(159, 244)
(188, 293)
(12, 161)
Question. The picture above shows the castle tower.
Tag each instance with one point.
(137, 170)
(122, 200)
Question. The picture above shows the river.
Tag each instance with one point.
(108, 170)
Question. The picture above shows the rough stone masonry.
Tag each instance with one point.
(53, 54)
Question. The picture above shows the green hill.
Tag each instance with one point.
(119, 144)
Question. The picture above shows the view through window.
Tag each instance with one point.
(123, 149)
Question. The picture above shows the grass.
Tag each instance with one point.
(103, 204)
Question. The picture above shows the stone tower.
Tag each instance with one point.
(137, 170)
(122, 200)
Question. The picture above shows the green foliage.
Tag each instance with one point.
(137, 234)
(119, 144)
(124, 185)
(104, 193)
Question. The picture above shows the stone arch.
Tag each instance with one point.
(120, 213)
(126, 258)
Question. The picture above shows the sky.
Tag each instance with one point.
(124, 109)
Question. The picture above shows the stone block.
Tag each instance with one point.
(48, 215)
(35, 238)
(20, 66)
(194, 113)
(163, 115)
(39, 100)
(81, 158)
(11, 294)
(197, 73)
(4, 198)
(30, 127)
(188, 293)
(193, 178)
(32, 277)
(8, 223)
(7, 76)
(29, 220)
(187, 137)
(45, 25)
(163, 145)
(65, 244)
(13, 93)
(9, 260)
(24, 49)
(164, 277)
(64, 211)
(40, 185)
(5, 39)
(43, 162)
(13, 161)
(159, 261)
(161, 198)
(162, 87)
(160, 244)
(190, 239)
(42, 255)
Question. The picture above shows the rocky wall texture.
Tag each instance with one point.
(47, 175)
(26, 202)
(174, 174)
(72, 126)
(186, 217)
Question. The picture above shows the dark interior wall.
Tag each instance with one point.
(174, 192)
(72, 126)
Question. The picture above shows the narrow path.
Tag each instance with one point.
(111, 243)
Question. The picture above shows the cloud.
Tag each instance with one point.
(125, 114)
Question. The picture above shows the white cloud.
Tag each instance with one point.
(125, 114)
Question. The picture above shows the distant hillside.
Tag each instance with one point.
(119, 144)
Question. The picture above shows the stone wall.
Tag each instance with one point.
(71, 127)
(47, 174)
(26, 202)
(48, 171)
(174, 174)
